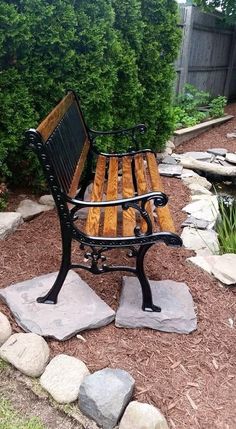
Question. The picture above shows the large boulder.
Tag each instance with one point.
(5, 328)
(62, 378)
(142, 416)
(9, 222)
(104, 395)
(27, 352)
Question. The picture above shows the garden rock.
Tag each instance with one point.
(197, 189)
(29, 353)
(169, 160)
(231, 135)
(205, 208)
(188, 173)
(62, 378)
(231, 157)
(30, 209)
(218, 151)
(5, 328)
(104, 395)
(170, 144)
(47, 200)
(192, 222)
(9, 222)
(203, 242)
(203, 156)
(223, 267)
(142, 416)
(170, 170)
(197, 179)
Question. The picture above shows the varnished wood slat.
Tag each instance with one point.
(79, 169)
(164, 216)
(48, 125)
(93, 219)
(142, 186)
(129, 220)
(110, 217)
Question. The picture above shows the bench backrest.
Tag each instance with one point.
(66, 142)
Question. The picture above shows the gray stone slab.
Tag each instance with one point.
(170, 170)
(195, 223)
(174, 298)
(169, 160)
(203, 156)
(218, 151)
(78, 307)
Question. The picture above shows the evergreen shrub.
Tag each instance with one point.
(117, 54)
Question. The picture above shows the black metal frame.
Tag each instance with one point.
(137, 245)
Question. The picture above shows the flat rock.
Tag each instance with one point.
(170, 170)
(142, 416)
(197, 189)
(192, 222)
(231, 157)
(169, 160)
(5, 328)
(231, 135)
(78, 307)
(62, 378)
(29, 353)
(197, 179)
(47, 200)
(205, 208)
(218, 151)
(200, 156)
(9, 222)
(223, 267)
(104, 395)
(177, 308)
(30, 209)
(188, 173)
(201, 241)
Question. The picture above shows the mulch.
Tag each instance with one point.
(191, 378)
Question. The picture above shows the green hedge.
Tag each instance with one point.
(117, 54)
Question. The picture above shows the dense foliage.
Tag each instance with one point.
(118, 55)
(227, 7)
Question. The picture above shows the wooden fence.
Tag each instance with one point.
(207, 57)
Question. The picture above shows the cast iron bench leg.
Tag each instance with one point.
(51, 296)
(145, 285)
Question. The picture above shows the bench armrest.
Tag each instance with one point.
(125, 132)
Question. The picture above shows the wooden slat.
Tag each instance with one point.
(78, 170)
(110, 217)
(164, 216)
(93, 219)
(50, 122)
(142, 186)
(129, 220)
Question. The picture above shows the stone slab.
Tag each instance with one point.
(9, 222)
(218, 151)
(201, 156)
(78, 307)
(174, 298)
(170, 170)
(192, 222)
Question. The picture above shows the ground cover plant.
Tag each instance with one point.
(10, 419)
(194, 106)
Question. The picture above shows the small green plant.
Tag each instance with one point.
(226, 225)
(217, 106)
(9, 419)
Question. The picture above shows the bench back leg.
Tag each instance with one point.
(51, 296)
(145, 285)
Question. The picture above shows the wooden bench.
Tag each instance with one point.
(127, 206)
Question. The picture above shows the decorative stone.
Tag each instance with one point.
(170, 144)
(201, 241)
(169, 160)
(9, 222)
(5, 328)
(206, 209)
(199, 180)
(177, 309)
(218, 151)
(223, 267)
(192, 222)
(170, 170)
(47, 200)
(104, 395)
(201, 156)
(197, 189)
(231, 157)
(62, 378)
(231, 135)
(27, 352)
(30, 209)
(188, 173)
(78, 307)
(142, 416)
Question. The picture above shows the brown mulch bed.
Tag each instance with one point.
(191, 378)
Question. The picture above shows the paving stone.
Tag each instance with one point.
(206, 208)
(47, 200)
(169, 160)
(192, 222)
(197, 189)
(223, 267)
(78, 307)
(218, 151)
(104, 395)
(142, 416)
(170, 170)
(174, 298)
(231, 157)
(62, 378)
(5, 328)
(197, 179)
(200, 156)
(9, 222)
(30, 209)
(27, 352)
(201, 241)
